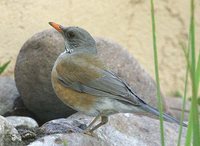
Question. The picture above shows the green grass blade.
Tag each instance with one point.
(4, 66)
(189, 130)
(195, 115)
(198, 73)
(183, 105)
(187, 54)
(160, 106)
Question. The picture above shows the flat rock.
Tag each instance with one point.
(122, 129)
(8, 134)
(73, 139)
(8, 94)
(35, 62)
(129, 129)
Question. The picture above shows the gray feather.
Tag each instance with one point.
(154, 111)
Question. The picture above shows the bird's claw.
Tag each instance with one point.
(90, 133)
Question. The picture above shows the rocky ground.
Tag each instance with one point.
(31, 114)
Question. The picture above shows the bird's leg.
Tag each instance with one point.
(104, 120)
(89, 130)
(92, 123)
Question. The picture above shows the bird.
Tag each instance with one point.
(83, 82)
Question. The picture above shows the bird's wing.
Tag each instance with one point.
(85, 73)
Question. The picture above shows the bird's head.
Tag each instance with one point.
(76, 38)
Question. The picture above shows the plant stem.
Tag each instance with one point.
(195, 116)
(160, 106)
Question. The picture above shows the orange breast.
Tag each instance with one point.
(76, 100)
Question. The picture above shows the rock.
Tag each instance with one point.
(128, 68)
(27, 134)
(17, 121)
(8, 134)
(19, 109)
(32, 76)
(59, 126)
(56, 126)
(10, 101)
(122, 129)
(73, 139)
(36, 59)
(8, 94)
(129, 129)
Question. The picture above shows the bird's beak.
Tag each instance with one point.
(56, 26)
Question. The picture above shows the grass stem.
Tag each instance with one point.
(159, 99)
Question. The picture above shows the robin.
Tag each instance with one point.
(84, 83)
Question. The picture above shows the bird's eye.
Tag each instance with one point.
(70, 34)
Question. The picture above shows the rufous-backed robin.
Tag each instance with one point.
(84, 83)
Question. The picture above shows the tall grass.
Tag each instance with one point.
(159, 99)
(184, 96)
(193, 133)
(193, 69)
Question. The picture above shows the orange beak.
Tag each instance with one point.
(56, 26)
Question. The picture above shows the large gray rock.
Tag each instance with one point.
(121, 130)
(36, 59)
(8, 134)
(32, 76)
(8, 94)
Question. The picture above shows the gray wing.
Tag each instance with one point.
(108, 85)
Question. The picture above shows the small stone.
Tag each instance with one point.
(22, 121)
(9, 136)
(59, 126)
(27, 134)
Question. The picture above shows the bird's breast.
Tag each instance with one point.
(79, 101)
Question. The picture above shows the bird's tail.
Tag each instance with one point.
(166, 117)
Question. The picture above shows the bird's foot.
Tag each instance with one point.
(90, 133)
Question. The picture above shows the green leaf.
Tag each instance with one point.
(4, 66)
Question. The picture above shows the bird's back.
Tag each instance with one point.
(81, 67)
